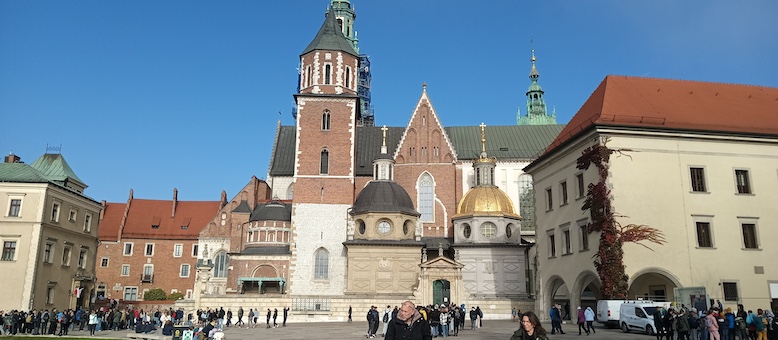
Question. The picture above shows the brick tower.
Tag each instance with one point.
(327, 112)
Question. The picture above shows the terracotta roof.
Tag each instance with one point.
(144, 213)
(667, 104)
(112, 219)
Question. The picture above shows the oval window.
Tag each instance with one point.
(488, 229)
(466, 231)
(361, 227)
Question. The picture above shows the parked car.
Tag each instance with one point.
(638, 316)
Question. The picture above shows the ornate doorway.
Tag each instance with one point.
(441, 292)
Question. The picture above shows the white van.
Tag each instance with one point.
(608, 312)
(638, 316)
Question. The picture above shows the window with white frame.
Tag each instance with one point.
(583, 229)
(742, 181)
(324, 162)
(321, 264)
(82, 259)
(125, 270)
(563, 193)
(9, 250)
(149, 249)
(130, 293)
(87, 222)
(66, 256)
(698, 179)
(749, 236)
(426, 198)
(730, 291)
(549, 200)
(325, 120)
(104, 262)
(148, 272)
(220, 264)
(567, 243)
(55, 211)
(327, 74)
(551, 243)
(178, 249)
(48, 252)
(348, 77)
(73, 215)
(704, 236)
(184, 272)
(15, 207)
(579, 180)
(128, 246)
(50, 294)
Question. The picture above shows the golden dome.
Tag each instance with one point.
(485, 201)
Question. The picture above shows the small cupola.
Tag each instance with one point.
(383, 165)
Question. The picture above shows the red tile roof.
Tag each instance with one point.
(144, 213)
(676, 105)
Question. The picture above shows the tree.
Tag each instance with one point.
(155, 294)
(609, 259)
(176, 296)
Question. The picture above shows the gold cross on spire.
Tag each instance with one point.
(383, 130)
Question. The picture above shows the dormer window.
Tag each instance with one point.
(155, 226)
(184, 227)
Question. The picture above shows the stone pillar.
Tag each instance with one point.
(201, 281)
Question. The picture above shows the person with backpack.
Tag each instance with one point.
(370, 322)
(694, 324)
(385, 319)
(760, 323)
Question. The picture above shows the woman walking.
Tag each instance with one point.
(530, 328)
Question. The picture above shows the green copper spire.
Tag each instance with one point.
(537, 114)
(330, 38)
(345, 15)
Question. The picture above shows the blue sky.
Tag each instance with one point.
(152, 95)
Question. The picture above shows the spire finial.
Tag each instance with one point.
(383, 146)
(483, 139)
(532, 46)
(424, 86)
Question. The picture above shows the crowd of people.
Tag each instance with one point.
(442, 320)
(717, 323)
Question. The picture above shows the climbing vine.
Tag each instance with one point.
(609, 259)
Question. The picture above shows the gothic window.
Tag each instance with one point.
(290, 191)
(348, 77)
(325, 120)
(327, 74)
(324, 162)
(308, 76)
(426, 198)
(221, 261)
(321, 264)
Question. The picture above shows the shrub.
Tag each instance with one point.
(155, 294)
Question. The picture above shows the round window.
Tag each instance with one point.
(406, 227)
(384, 227)
(488, 229)
(466, 231)
(361, 227)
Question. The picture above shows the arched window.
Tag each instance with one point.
(321, 267)
(325, 120)
(526, 202)
(327, 73)
(348, 77)
(290, 191)
(308, 76)
(324, 166)
(426, 198)
(221, 261)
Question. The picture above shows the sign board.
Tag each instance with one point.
(689, 297)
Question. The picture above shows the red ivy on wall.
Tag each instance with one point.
(609, 259)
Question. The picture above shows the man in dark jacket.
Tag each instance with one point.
(408, 325)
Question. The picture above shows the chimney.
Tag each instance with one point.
(11, 158)
(223, 199)
(175, 202)
(104, 204)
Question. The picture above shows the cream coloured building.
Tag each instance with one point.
(48, 231)
(698, 161)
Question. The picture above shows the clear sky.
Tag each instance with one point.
(152, 95)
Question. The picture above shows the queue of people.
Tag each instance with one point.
(716, 323)
(443, 320)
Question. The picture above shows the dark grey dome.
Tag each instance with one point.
(383, 196)
(272, 211)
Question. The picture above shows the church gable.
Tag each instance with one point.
(424, 139)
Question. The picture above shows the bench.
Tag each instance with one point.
(148, 336)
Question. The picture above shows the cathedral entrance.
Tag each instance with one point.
(441, 292)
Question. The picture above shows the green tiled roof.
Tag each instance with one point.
(55, 168)
(20, 173)
(330, 38)
(503, 142)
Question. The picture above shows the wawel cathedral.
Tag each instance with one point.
(355, 214)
